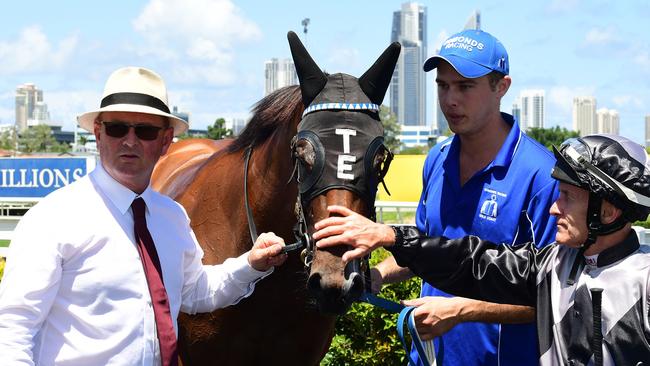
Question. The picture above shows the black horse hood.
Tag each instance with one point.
(341, 88)
(341, 122)
(318, 88)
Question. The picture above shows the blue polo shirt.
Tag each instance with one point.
(506, 202)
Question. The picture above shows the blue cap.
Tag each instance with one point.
(473, 53)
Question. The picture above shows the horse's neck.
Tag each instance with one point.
(272, 166)
(271, 190)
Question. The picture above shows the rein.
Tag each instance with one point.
(426, 350)
(251, 220)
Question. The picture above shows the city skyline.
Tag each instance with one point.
(212, 53)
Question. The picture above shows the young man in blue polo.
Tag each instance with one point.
(489, 180)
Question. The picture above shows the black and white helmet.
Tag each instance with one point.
(610, 167)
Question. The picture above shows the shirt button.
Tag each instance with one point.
(576, 314)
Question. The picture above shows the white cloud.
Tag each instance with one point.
(643, 60)
(64, 106)
(601, 36)
(201, 38)
(561, 97)
(32, 52)
(622, 101)
(345, 59)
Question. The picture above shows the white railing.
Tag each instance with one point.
(5, 235)
(380, 206)
(394, 206)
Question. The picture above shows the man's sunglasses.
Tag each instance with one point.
(121, 129)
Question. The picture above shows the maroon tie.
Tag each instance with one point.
(151, 264)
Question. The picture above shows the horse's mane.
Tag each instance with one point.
(276, 110)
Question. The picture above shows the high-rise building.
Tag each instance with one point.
(516, 110)
(584, 115)
(607, 121)
(185, 116)
(408, 84)
(474, 21)
(279, 73)
(28, 100)
(647, 131)
(238, 124)
(441, 124)
(532, 108)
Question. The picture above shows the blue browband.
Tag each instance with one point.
(345, 106)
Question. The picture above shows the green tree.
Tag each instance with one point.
(415, 150)
(367, 335)
(40, 139)
(551, 136)
(8, 140)
(391, 129)
(218, 130)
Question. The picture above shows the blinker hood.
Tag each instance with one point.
(344, 153)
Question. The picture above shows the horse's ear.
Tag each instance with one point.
(312, 79)
(375, 81)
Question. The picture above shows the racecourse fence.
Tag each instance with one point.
(403, 214)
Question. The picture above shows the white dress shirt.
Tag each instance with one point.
(74, 290)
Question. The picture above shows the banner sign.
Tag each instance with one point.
(37, 177)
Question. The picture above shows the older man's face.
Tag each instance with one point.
(130, 159)
(570, 209)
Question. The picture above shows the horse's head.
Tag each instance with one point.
(340, 158)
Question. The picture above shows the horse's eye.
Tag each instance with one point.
(305, 152)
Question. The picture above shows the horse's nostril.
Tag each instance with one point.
(353, 287)
(313, 283)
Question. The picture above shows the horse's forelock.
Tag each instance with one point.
(278, 109)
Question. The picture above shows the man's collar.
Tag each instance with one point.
(511, 143)
(119, 195)
(613, 254)
(508, 148)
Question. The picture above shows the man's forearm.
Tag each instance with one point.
(488, 312)
(391, 272)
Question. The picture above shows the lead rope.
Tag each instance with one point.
(426, 350)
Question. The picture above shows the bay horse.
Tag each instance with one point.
(283, 173)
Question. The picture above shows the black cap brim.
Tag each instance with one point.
(563, 171)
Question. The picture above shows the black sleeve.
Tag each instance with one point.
(471, 267)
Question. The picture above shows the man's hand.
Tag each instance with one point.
(354, 230)
(266, 252)
(435, 315)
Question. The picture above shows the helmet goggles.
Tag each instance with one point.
(575, 159)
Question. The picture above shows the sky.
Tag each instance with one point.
(211, 53)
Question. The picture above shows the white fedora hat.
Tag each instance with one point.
(134, 89)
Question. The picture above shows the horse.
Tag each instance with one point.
(276, 176)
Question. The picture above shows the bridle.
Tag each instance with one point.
(314, 182)
(303, 237)
(305, 242)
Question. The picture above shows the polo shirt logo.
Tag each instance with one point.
(490, 205)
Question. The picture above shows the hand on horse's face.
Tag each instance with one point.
(267, 252)
(350, 228)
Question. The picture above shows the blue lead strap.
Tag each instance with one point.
(388, 305)
(426, 351)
